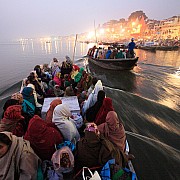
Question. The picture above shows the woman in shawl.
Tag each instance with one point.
(66, 125)
(78, 77)
(13, 121)
(113, 130)
(27, 93)
(17, 159)
(105, 108)
(92, 98)
(92, 111)
(93, 150)
(43, 137)
(49, 113)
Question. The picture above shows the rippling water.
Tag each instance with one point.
(146, 99)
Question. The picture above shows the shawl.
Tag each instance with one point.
(20, 162)
(92, 98)
(113, 130)
(12, 120)
(92, 111)
(105, 108)
(27, 93)
(58, 160)
(49, 113)
(77, 78)
(99, 149)
(66, 125)
(43, 137)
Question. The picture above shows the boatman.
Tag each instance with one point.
(131, 47)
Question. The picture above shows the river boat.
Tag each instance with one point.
(161, 48)
(148, 48)
(167, 48)
(115, 64)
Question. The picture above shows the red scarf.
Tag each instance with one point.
(105, 108)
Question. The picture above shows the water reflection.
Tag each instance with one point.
(123, 80)
(163, 58)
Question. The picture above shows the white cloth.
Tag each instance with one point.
(92, 98)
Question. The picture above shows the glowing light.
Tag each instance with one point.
(101, 31)
(133, 23)
(90, 35)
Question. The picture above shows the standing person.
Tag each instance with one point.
(131, 47)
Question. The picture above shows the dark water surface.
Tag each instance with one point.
(147, 99)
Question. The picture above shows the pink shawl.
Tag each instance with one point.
(113, 130)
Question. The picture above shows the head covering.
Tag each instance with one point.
(68, 59)
(61, 117)
(92, 127)
(17, 96)
(69, 91)
(113, 130)
(63, 160)
(105, 108)
(92, 111)
(11, 120)
(49, 113)
(28, 95)
(43, 137)
(20, 156)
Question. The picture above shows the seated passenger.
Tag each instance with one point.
(27, 93)
(92, 98)
(17, 159)
(43, 137)
(92, 111)
(113, 130)
(94, 150)
(119, 54)
(64, 122)
(102, 113)
(78, 77)
(113, 54)
(13, 121)
(49, 113)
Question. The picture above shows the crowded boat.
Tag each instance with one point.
(62, 125)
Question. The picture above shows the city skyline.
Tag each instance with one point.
(24, 18)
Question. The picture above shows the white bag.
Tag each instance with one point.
(94, 176)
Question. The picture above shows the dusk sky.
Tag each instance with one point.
(40, 18)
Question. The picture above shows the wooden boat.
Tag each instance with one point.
(115, 64)
(167, 48)
(148, 48)
(161, 48)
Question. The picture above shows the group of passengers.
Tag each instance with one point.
(112, 52)
(56, 147)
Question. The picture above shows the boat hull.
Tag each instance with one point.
(115, 64)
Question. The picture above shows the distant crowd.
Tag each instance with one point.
(61, 144)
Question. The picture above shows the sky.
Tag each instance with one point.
(42, 18)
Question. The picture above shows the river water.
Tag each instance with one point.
(147, 99)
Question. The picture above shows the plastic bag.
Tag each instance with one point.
(94, 176)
